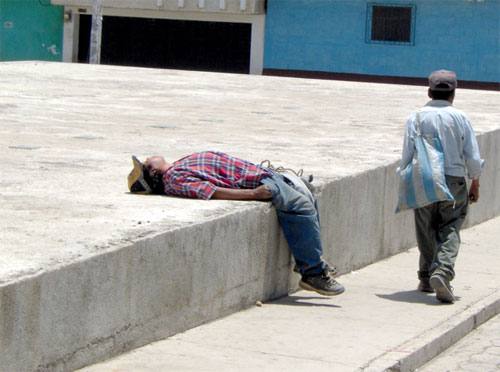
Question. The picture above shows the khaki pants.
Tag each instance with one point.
(438, 231)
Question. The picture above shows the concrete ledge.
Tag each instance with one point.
(69, 303)
(148, 290)
(418, 351)
(382, 321)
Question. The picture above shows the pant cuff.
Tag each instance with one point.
(444, 273)
(315, 270)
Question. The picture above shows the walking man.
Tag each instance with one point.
(214, 175)
(438, 225)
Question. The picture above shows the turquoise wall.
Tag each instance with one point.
(329, 35)
(30, 30)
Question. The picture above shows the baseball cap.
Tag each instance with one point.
(136, 179)
(443, 80)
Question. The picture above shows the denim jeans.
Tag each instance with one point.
(438, 231)
(298, 216)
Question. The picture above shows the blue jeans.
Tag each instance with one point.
(298, 216)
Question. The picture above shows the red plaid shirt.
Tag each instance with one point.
(198, 175)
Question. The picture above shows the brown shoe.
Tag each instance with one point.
(425, 286)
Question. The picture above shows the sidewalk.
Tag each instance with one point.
(380, 322)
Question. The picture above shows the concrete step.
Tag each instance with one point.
(478, 351)
(380, 323)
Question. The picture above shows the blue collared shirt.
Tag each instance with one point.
(461, 151)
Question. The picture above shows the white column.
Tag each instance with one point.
(96, 33)
(71, 30)
(257, 45)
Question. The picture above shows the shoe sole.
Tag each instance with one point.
(443, 293)
(308, 287)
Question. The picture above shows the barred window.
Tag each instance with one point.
(390, 23)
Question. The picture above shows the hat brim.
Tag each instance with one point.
(136, 181)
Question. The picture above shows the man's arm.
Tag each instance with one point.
(408, 145)
(260, 193)
(473, 160)
(186, 184)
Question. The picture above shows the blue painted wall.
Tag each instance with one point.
(329, 35)
(30, 30)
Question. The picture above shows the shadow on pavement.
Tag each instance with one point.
(305, 301)
(412, 296)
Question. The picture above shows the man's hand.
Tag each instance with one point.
(474, 191)
(262, 193)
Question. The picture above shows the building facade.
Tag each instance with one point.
(30, 29)
(210, 35)
(383, 39)
(373, 40)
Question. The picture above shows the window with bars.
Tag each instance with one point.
(389, 23)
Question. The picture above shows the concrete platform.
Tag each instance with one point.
(88, 270)
(380, 324)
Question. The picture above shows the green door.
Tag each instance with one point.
(30, 30)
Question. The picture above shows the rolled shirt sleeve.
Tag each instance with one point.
(473, 161)
(187, 185)
(408, 143)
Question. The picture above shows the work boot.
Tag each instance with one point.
(425, 286)
(322, 283)
(442, 287)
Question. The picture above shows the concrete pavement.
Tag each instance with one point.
(479, 351)
(381, 322)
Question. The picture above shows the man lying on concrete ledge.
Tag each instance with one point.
(215, 175)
